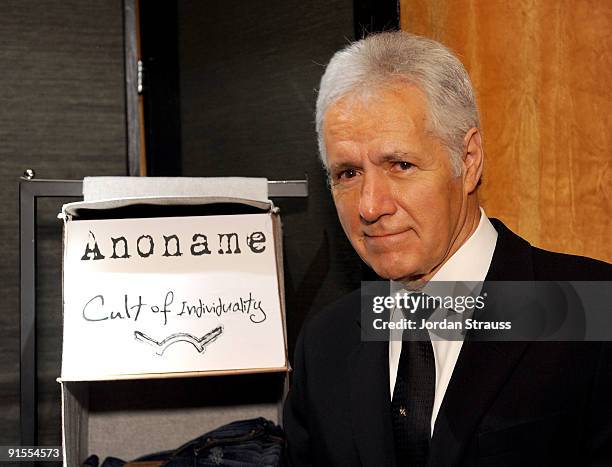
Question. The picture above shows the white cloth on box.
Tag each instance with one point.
(107, 188)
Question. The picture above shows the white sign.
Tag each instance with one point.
(178, 294)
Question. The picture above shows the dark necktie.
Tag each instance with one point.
(413, 396)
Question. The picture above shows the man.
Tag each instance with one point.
(399, 135)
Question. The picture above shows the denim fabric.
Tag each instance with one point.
(91, 461)
(112, 462)
(239, 444)
(244, 443)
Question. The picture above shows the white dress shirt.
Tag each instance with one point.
(470, 263)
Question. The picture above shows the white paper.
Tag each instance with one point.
(214, 307)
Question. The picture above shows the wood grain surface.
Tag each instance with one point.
(542, 73)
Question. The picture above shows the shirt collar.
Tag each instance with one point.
(471, 262)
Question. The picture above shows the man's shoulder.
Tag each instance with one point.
(516, 259)
(549, 265)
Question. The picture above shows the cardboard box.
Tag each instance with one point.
(152, 303)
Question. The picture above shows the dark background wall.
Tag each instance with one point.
(247, 80)
(62, 114)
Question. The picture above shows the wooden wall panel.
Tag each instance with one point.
(541, 70)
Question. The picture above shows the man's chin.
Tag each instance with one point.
(398, 275)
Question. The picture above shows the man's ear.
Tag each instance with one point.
(473, 159)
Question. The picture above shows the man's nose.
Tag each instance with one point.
(376, 198)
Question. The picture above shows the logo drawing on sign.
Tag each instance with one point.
(199, 343)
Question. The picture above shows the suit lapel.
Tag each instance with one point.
(370, 403)
(482, 367)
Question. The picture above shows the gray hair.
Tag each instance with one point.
(392, 56)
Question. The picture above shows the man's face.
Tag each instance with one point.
(392, 181)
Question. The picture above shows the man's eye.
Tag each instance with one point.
(403, 165)
(348, 173)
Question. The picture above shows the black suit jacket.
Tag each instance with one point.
(507, 403)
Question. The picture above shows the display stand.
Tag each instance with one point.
(78, 397)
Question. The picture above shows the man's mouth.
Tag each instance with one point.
(384, 237)
(384, 234)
